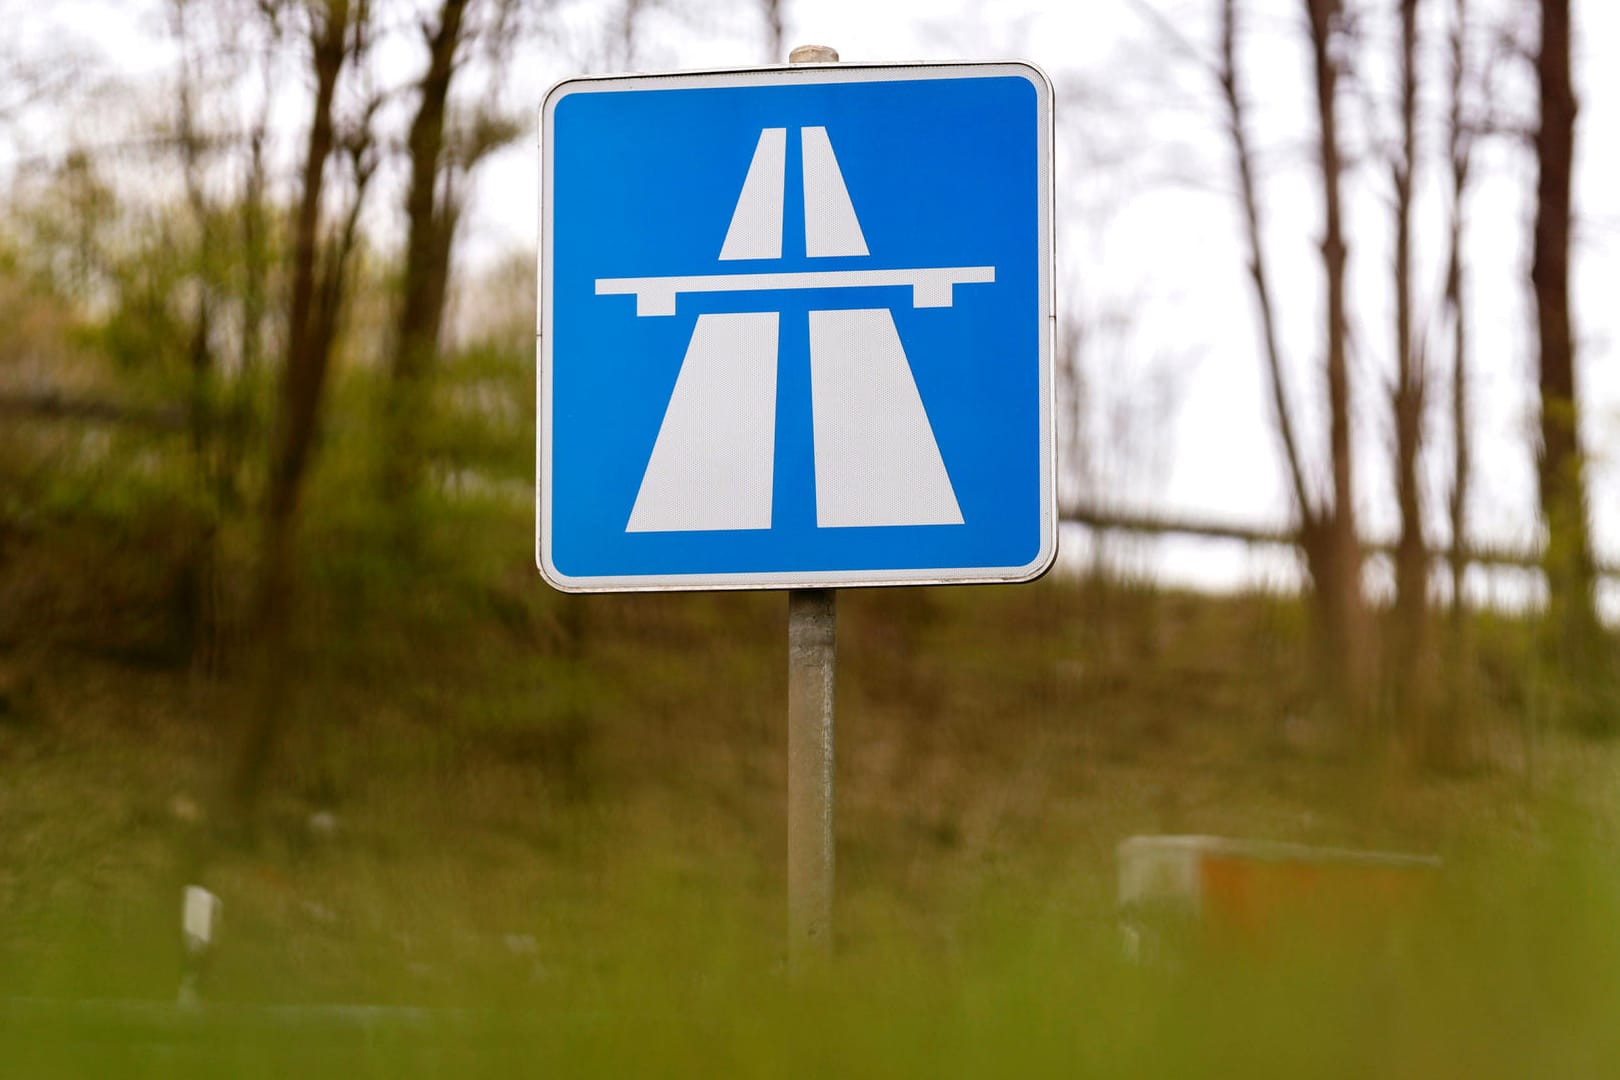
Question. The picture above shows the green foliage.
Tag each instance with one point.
(482, 426)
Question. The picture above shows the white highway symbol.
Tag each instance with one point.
(876, 459)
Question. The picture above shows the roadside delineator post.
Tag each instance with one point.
(1241, 891)
(199, 917)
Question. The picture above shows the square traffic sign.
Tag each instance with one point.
(796, 328)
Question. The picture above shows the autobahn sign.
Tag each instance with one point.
(796, 328)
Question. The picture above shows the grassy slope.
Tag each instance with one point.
(574, 806)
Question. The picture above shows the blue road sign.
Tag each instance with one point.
(796, 328)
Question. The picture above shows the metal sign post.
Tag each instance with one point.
(812, 668)
(812, 672)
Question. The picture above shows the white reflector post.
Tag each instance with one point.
(198, 909)
(199, 915)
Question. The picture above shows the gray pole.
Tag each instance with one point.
(812, 665)
(812, 668)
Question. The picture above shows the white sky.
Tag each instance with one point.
(1150, 259)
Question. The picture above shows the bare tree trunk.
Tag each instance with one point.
(774, 46)
(1338, 586)
(302, 385)
(1327, 533)
(1460, 152)
(629, 24)
(1560, 467)
(1448, 746)
(1237, 128)
(1562, 486)
(1408, 658)
(427, 263)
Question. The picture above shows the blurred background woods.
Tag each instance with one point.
(266, 438)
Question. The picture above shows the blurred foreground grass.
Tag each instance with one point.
(1512, 973)
(510, 832)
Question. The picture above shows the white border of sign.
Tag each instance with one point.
(827, 579)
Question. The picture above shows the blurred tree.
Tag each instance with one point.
(1332, 544)
(1327, 524)
(429, 222)
(442, 149)
(774, 14)
(624, 38)
(215, 473)
(1460, 149)
(1444, 738)
(1408, 660)
(338, 34)
(1561, 479)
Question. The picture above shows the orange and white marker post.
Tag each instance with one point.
(1242, 889)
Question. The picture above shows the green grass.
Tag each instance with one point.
(559, 829)
(1511, 973)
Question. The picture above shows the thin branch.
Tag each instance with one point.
(1237, 128)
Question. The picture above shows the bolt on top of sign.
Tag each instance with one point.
(796, 328)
